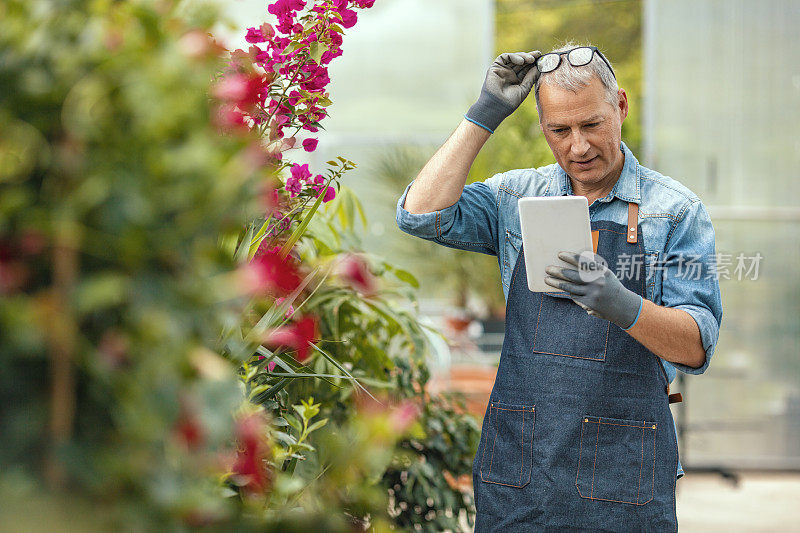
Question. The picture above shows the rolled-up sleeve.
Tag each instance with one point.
(689, 281)
(469, 224)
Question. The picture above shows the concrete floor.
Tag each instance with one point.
(762, 502)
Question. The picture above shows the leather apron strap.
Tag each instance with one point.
(633, 221)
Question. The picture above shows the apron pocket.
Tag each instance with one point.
(508, 446)
(617, 460)
(564, 328)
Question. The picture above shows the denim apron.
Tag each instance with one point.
(577, 435)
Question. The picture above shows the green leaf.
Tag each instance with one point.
(322, 231)
(292, 420)
(318, 424)
(285, 437)
(406, 276)
(304, 446)
(300, 230)
(269, 393)
(102, 291)
(242, 252)
(316, 50)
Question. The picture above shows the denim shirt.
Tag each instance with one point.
(679, 262)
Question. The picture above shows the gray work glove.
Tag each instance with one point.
(595, 287)
(508, 82)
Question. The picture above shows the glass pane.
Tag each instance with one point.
(723, 94)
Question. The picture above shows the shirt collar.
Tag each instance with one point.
(626, 187)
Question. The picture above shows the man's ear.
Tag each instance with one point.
(622, 105)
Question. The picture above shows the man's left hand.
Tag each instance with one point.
(595, 287)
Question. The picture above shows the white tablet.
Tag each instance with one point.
(549, 225)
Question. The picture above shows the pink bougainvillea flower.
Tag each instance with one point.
(285, 11)
(330, 194)
(301, 172)
(316, 82)
(270, 365)
(278, 223)
(282, 8)
(289, 311)
(309, 145)
(353, 270)
(250, 469)
(255, 35)
(349, 18)
(263, 33)
(269, 273)
(294, 186)
(297, 336)
(403, 415)
(229, 119)
(240, 89)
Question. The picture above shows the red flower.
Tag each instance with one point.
(354, 270)
(239, 89)
(188, 427)
(250, 467)
(228, 118)
(272, 274)
(297, 336)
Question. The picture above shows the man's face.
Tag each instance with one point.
(584, 131)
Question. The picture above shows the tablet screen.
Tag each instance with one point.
(550, 224)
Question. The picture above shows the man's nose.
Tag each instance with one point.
(579, 145)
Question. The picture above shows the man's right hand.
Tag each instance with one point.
(508, 82)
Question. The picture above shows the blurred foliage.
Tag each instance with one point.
(114, 285)
(126, 378)
(368, 338)
(424, 483)
(465, 275)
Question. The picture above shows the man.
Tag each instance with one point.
(578, 433)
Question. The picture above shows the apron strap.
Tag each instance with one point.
(676, 397)
(633, 221)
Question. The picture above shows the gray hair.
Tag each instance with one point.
(573, 78)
